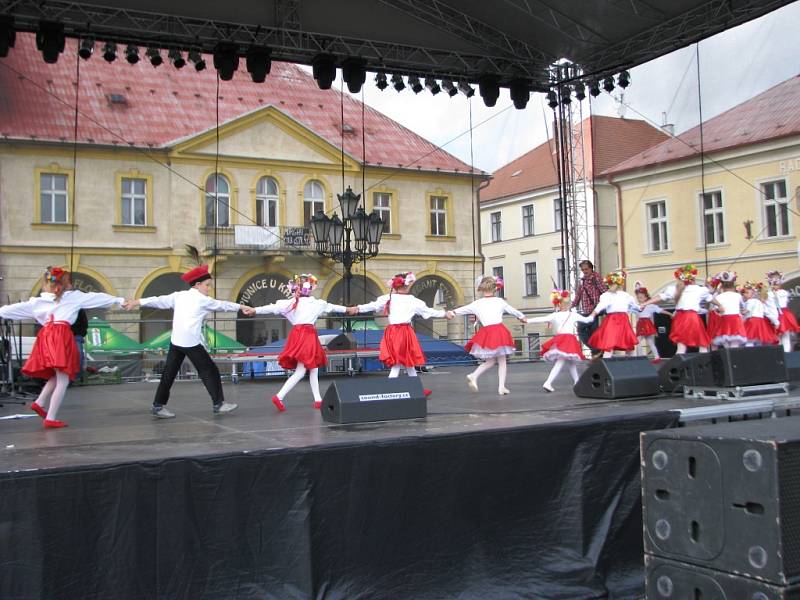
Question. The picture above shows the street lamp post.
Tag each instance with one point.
(349, 240)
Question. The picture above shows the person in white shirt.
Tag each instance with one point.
(778, 305)
(615, 332)
(54, 355)
(190, 308)
(302, 351)
(728, 330)
(493, 342)
(645, 324)
(757, 327)
(563, 348)
(399, 345)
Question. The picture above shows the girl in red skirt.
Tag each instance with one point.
(302, 351)
(493, 341)
(563, 349)
(778, 307)
(728, 329)
(712, 316)
(399, 346)
(54, 355)
(615, 332)
(645, 326)
(758, 329)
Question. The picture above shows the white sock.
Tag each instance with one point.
(62, 381)
(394, 371)
(651, 341)
(411, 371)
(298, 374)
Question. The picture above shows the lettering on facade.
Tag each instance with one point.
(85, 284)
(266, 289)
(299, 237)
(434, 290)
(787, 166)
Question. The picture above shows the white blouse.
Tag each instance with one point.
(562, 321)
(402, 309)
(649, 311)
(306, 312)
(754, 308)
(691, 298)
(779, 298)
(616, 302)
(731, 303)
(66, 308)
(489, 310)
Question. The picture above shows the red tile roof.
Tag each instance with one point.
(606, 141)
(161, 105)
(772, 114)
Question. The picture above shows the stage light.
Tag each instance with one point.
(324, 69)
(226, 60)
(197, 59)
(566, 95)
(380, 80)
(624, 79)
(50, 40)
(580, 91)
(354, 73)
(132, 53)
(608, 84)
(259, 63)
(448, 87)
(466, 89)
(520, 93)
(176, 58)
(86, 48)
(154, 55)
(552, 99)
(432, 86)
(414, 84)
(594, 88)
(110, 52)
(397, 82)
(489, 87)
(7, 35)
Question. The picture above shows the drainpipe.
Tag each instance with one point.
(482, 186)
(620, 225)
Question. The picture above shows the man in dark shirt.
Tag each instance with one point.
(586, 297)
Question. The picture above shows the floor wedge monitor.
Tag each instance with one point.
(363, 399)
(612, 378)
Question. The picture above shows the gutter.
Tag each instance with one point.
(620, 224)
(482, 186)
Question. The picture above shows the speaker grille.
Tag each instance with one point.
(789, 485)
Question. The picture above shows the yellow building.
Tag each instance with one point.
(731, 206)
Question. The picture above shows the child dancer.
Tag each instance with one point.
(728, 328)
(615, 332)
(687, 326)
(778, 303)
(54, 355)
(302, 351)
(645, 327)
(399, 345)
(563, 348)
(712, 316)
(758, 329)
(493, 342)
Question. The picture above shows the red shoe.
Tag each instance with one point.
(54, 424)
(427, 392)
(39, 410)
(318, 404)
(278, 404)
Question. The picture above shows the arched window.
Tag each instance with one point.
(267, 202)
(218, 201)
(313, 200)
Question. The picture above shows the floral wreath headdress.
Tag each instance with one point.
(54, 274)
(558, 296)
(686, 273)
(402, 280)
(775, 278)
(615, 278)
(727, 277)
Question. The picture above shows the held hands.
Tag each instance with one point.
(449, 315)
(248, 311)
(352, 311)
(130, 304)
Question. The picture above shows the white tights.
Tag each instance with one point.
(502, 369)
(395, 371)
(299, 373)
(786, 341)
(682, 349)
(54, 390)
(651, 342)
(559, 364)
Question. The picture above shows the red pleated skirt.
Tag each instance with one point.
(562, 346)
(712, 322)
(492, 340)
(615, 333)
(400, 346)
(302, 346)
(688, 329)
(760, 330)
(728, 328)
(54, 348)
(645, 328)
(787, 322)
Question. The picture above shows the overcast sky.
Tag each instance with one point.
(734, 66)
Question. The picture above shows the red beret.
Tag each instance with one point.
(197, 274)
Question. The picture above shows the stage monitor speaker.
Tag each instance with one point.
(359, 400)
(618, 378)
(725, 497)
(686, 370)
(666, 579)
(749, 366)
(343, 341)
(792, 365)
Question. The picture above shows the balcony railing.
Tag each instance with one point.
(255, 238)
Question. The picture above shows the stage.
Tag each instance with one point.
(531, 495)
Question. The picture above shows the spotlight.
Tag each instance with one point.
(259, 63)
(176, 58)
(397, 82)
(154, 55)
(86, 49)
(552, 100)
(566, 95)
(7, 35)
(520, 93)
(414, 84)
(624, 79)
(608, 84)
(489, 87)
(132, 54)
(50, 40)
(580, 91)
(466, 89)
(594, 88)
(354, 73)
(432, 86)
(226, 60)
(380, 80)
(110, 51)
(324, 69)
(197, 59)
(448, 87)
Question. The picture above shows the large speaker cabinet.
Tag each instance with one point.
(357, 400)
(612, 378)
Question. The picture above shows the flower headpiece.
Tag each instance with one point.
(616, 278)
(753, 285)
(54, 274)
(640, 288)
(775, 277)
(498, 281)
(558, 296)
(304, 284)
(713, 281)
(402, 280)
(727, 276)
(686, 273)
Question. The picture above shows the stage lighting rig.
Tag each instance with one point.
(624, 79)
(50, 40)
(7, 35)
(380, 80)
(465, 88)
(197, 60)
(259, 63)
(594, 88)
(566, 95)
(154, 56)
(608, 84)
(132, 54)
(449, 87)
(397, 82)
(176, 58)
(520, 93)
(110, 52)
(354, 73)
(432, 86)
(552, 99)
(414, 84)
(489, 88)
(323, 67)
(86, 48)
(580, 91)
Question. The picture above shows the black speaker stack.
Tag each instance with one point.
(624, 377)
(721, 511)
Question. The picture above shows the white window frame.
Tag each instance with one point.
(133, 199)
(563, 274)
(51, 195)
(496, 225)
(535, 290)
(384, 211)
(265, 199)
(313, 200)
(662, 220)
(558, 213)
(438, 214)
(764, 203)
(528, 221)
(716, 213)
(219, 200)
